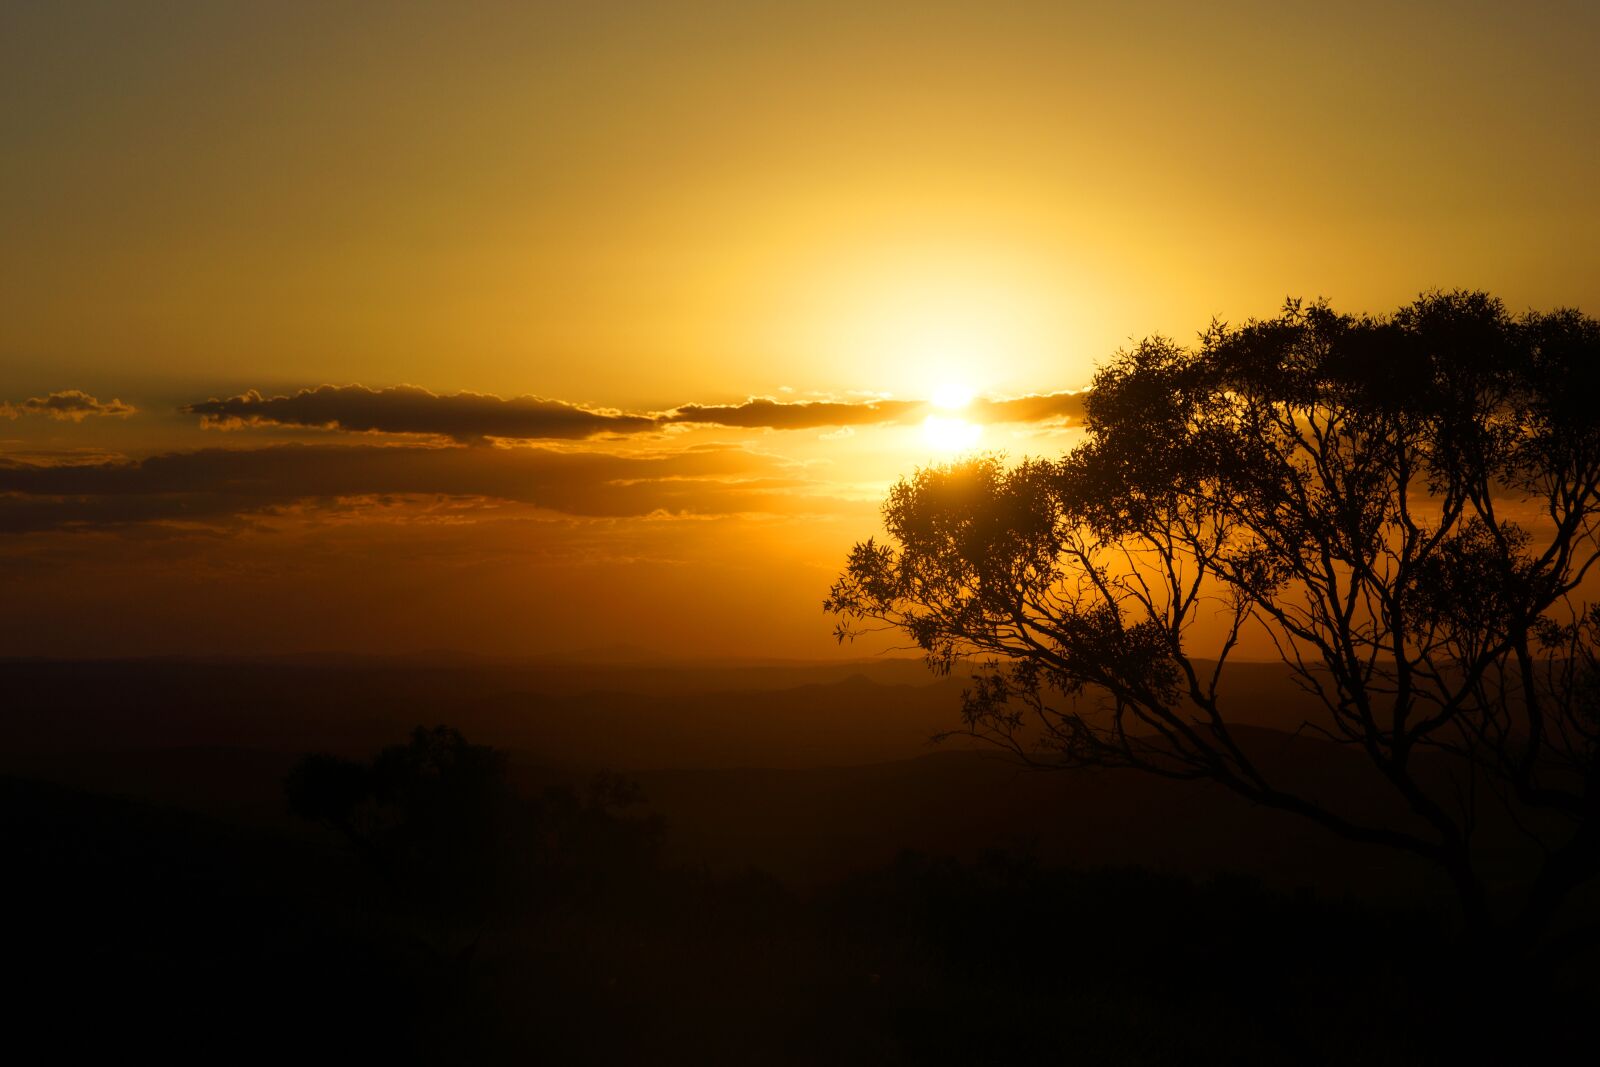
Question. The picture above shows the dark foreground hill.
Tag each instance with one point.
(824, 885)
(140, 929)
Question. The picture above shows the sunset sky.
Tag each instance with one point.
(517, 328)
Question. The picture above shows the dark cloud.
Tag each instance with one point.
(473, 418)
(68, 405)
(215, 486)
(764, 413)
(466, 417)
(1042, 407)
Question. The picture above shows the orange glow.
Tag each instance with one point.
(429, 231)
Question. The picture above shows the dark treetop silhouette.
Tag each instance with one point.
(439, 820)
(1406, 505)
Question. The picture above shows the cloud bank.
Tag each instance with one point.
(226, 487)
(222, 486)
(475, 418)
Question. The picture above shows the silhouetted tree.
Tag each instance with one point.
(337, 791)
(433, 815)
(439, 819)
(1405, 505)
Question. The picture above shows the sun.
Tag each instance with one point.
(950, 432)
(952, 396)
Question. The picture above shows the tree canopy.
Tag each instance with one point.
(1403, 507)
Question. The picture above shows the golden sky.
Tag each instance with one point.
(644, 215)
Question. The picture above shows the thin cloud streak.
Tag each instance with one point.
(764, 413)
